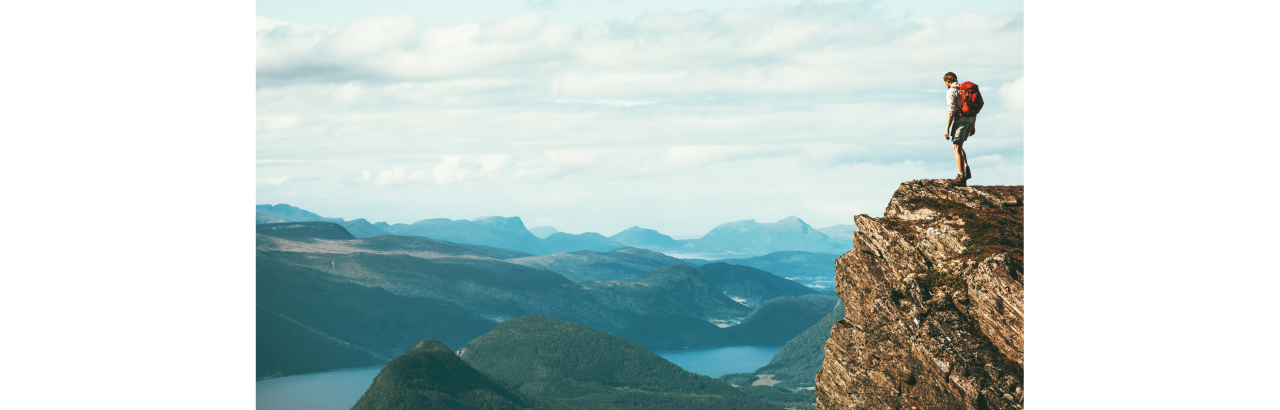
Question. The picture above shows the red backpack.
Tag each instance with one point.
(970, 100)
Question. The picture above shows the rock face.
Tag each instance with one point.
(933, 304)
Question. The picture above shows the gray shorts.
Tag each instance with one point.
(960, 132)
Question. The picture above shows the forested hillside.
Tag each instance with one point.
(432, 377)
(751, 286)
(583, 266)
(591, 369)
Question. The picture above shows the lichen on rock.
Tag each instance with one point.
(933, 304)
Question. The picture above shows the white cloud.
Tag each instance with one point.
(396, 176)
(670, 119)
(273, 182)
(699, 156)
(1011, 94)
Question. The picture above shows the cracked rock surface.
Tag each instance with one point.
(933, 304)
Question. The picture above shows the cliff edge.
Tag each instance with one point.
(933, 304)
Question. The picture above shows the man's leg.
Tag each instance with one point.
(961, 161)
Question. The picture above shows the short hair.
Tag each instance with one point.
(950, 77)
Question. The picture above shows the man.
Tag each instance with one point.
(958, 128)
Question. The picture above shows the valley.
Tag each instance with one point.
(335, 294)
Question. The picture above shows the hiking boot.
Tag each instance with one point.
(967, 175)
(959, 181)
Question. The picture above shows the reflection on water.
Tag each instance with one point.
(719, 361)
(340, 389)
(334, 390)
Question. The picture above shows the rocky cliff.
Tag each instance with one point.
(933, 304)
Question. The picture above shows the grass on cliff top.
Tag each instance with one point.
(990, 230)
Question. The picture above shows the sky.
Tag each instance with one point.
(599, 116)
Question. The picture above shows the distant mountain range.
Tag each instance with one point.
(787, 264)
(645, 238)
(584, 266)
(542, 232)
(740, 239)
(496, 231)
(588, 241)
(293, 214)
(326, 299)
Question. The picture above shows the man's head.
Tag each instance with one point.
(949, 78)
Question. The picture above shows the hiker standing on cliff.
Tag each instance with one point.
(963, 103)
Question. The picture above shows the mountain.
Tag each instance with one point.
(591, 369)
(841, 235)
(676, 288)
(588, 241)
(778, 320)
(269, 219)
(583, 266)
(750, 286)
(329, 303)
(305, 230)
(310, 321)
(294, 214)
(752, 238)
(796, 364)
(933, 295)
(496, 252)
(542, 232)
(508, 233)
(432, 377)
(659, 331)
(791, 264)
(361, 228)
(773, 322)
(644, 238)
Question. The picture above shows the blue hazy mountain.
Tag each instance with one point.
(361, 228)
(773, 322)
(749, 238)
(294, 214)
(587, 241)
(326, 302)
(304, 230)
(542, 232)
(645, 238)
(750, 286)
(269, 219)
(583, 266)
(791, 264)
(508, 233)
(840, 234)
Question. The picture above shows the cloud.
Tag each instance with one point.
(657, 56)
(273, 182)
(396, 176)
(1011, 94)
(700, 156)
(672, 120)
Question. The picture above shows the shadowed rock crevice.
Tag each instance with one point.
(933, 297)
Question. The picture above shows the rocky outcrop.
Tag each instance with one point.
(933, 304)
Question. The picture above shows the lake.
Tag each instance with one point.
(340, 389)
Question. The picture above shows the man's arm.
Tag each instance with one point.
(946, 133)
